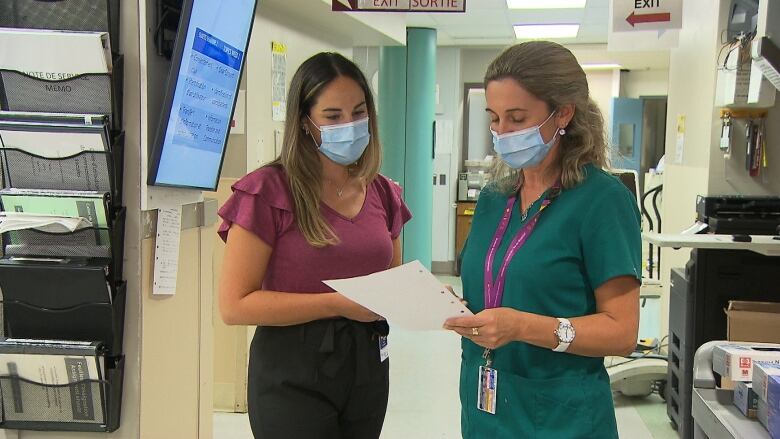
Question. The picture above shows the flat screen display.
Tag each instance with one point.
(201, 93)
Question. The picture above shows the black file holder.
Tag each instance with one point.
(69, 15)
(110, 404)
(71, 300)
(86, 171)
(90, 93)
(100, 244)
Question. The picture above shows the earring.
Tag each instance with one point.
(561, 131)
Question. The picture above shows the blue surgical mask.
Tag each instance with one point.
(344, 143)
(525, 148)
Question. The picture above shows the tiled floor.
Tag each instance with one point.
(424, 400)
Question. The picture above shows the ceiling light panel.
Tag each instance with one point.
(545, 4)
(545, 31)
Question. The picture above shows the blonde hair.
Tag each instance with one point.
(552, 74)
(299, 157)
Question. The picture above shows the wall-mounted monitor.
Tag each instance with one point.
(206, 67)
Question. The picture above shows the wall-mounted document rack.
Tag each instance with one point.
(61, 161)
(73, 15)
(77, 155)
(59, 385)
(88, 93)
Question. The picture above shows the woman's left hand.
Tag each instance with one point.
(490, 328)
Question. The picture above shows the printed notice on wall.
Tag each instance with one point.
(278, 80)
(166, 251)
(680, 144)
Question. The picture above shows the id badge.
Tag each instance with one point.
(488, 386)
(384, 351)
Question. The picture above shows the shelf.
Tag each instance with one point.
(715, 414)
(762, 244)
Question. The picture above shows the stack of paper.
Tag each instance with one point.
(56, 138)
(90, 205)
(54, 55)
(10, 221)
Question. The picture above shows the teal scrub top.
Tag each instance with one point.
(588, 235)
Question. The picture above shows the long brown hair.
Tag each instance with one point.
(299, 157)
(551, 73)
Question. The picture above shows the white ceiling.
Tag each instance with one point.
(489, 23)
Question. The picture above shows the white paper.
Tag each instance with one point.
(697, 227)
(53, 144)
(54, 55)
(10, 221)
(444, 134)
(408, 296)
(166, 251)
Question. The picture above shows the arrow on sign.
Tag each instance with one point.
(634, 18)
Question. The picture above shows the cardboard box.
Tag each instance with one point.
(745, 399)
(761, 371)
(762, 413)
(773, 406)
(753, 321)
(735, 362)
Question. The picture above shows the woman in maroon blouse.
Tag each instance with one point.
(319, 211)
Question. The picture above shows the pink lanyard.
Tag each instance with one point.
(494, 292)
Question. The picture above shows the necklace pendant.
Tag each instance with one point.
(339, 192)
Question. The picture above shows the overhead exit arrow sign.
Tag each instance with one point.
(645, 15)
(635, 18)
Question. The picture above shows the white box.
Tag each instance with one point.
(762, 413)
(761, 371)
(735, 362)
(745, 399)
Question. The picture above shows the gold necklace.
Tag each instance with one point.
(340, 189)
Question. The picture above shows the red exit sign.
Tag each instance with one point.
(399, 5)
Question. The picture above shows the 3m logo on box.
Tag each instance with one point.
(745, 363)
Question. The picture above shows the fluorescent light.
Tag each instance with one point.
(543, 31)
(545, 4)
(601, 66)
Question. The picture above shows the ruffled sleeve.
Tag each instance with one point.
(260, 203)
(398, 213)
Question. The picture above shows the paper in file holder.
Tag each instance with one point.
(88, 93)
(73, 15)
(59, 385)
(36, 156)
(69, 300)
(102, 244)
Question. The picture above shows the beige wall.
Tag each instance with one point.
(638, 83)
(302, 42)
(177, 351)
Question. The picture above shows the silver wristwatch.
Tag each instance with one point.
(565, 334)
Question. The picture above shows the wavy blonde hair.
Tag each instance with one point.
(299, 156)
(552, 74)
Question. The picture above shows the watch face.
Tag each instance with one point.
(566, 333)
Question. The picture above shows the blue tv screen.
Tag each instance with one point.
(207, 63)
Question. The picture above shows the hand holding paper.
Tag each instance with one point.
(408, 296)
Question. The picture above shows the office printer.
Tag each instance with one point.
(732, 214)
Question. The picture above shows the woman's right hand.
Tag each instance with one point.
(353, 311)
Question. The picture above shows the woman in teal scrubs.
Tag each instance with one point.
(551, 267)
